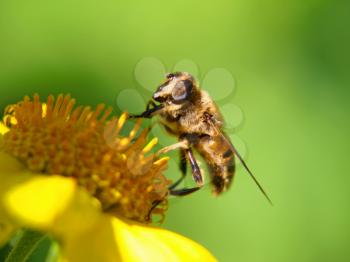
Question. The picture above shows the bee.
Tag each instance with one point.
(189, 113)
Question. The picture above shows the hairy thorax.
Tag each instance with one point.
(189, 118)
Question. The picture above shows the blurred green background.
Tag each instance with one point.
(290, 60)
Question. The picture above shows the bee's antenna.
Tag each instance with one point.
(242, 161)
(251, 174)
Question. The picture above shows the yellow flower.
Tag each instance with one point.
(70, 173)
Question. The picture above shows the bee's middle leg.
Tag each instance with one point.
(186, 153)
(196, 172)
(183, 144)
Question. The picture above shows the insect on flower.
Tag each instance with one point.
(65, 171)
(190, 114)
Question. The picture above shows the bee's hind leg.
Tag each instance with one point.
(154, 205)
(183, 169)
(179, 192)
(184, 191)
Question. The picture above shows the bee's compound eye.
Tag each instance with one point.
(170, 76)
(181, 91)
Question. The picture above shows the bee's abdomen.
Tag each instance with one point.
(218, 154)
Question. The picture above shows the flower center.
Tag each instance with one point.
(55, 138)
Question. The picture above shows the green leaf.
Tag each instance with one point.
(25, 246)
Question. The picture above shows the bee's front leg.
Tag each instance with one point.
(149, 104)
(149, 112)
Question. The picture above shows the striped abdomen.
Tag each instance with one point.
(217, 153)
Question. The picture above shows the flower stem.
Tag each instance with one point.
(24, 246)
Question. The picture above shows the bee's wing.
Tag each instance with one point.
(223, 78)
(235, 151)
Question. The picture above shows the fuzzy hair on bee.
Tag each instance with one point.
(189, 113)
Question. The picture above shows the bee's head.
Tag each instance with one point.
(177, 88)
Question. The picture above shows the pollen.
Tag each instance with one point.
(55, 137)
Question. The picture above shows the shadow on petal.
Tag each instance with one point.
(97, 244)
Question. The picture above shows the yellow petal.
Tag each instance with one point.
(113, 239)
(3, 128)
(7, 229)
(96, 244)
(43, 202)
(38, 201)
(8, 166)
(48, 203)
(80, 216)
(56, 204)
(145, 243)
